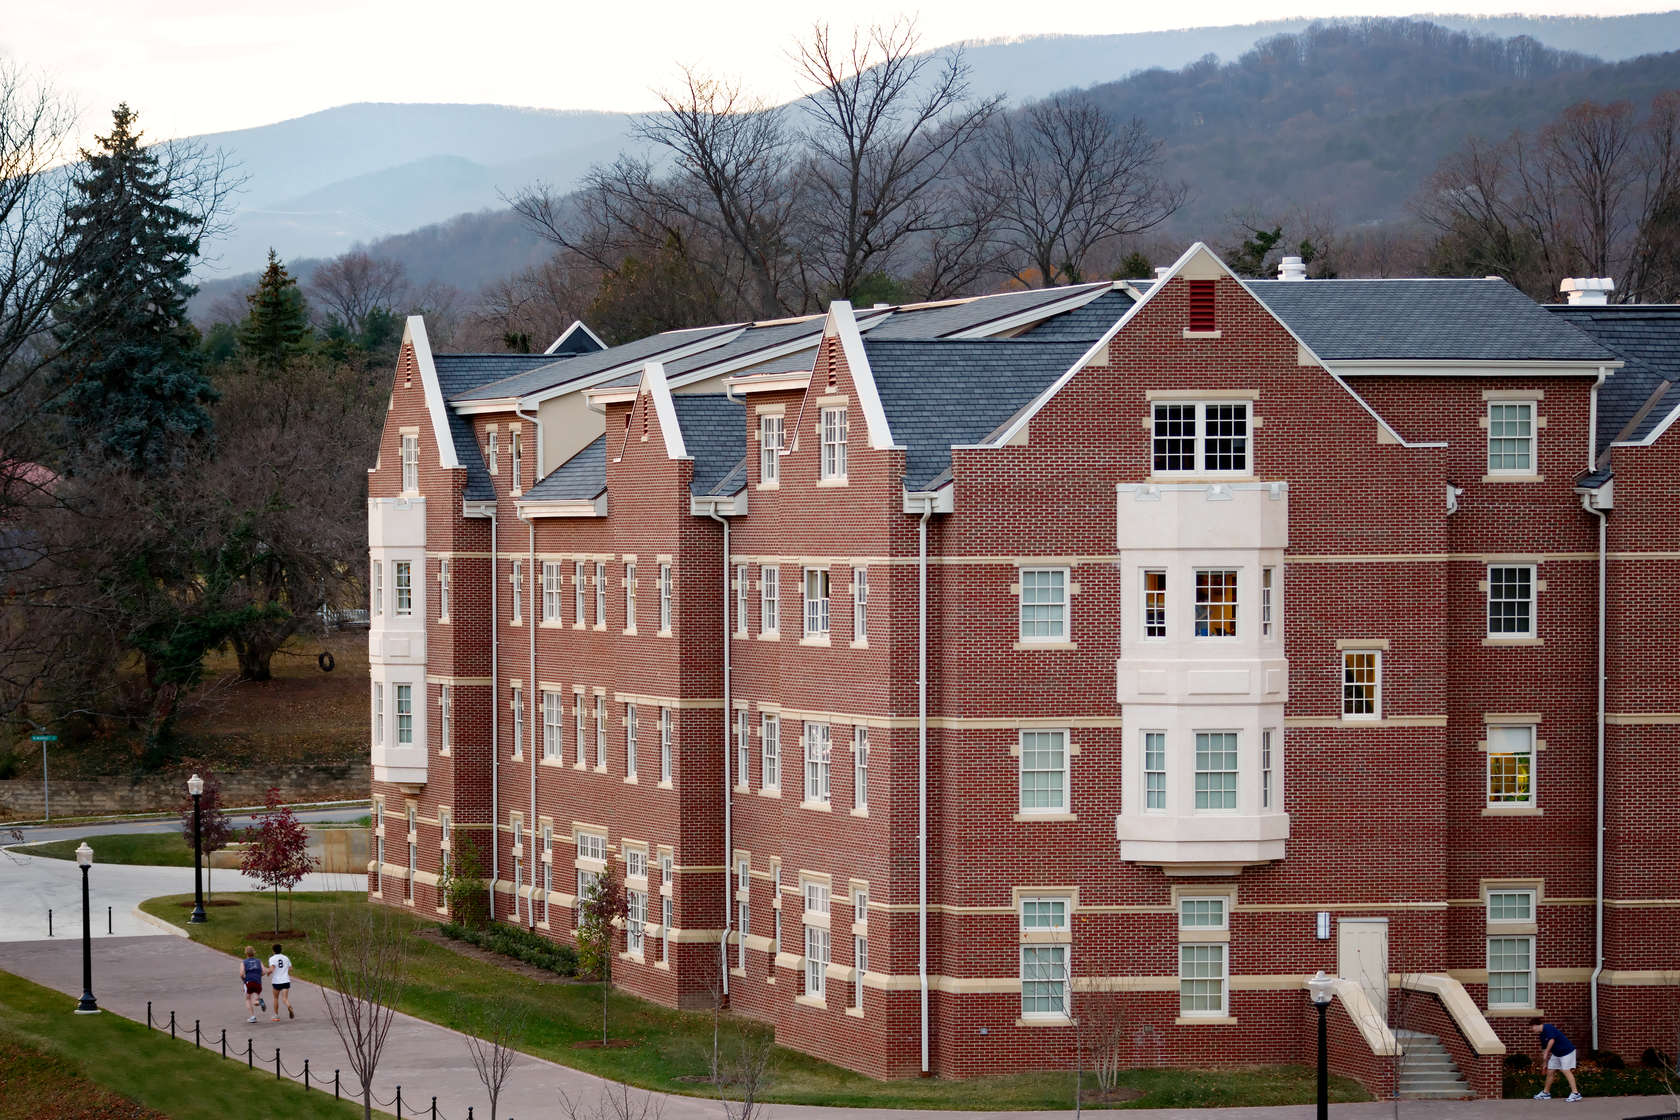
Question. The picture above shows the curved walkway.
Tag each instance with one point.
(200, 983)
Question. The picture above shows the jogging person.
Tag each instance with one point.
(251, 975)
(280, 978)
(1559, 1054)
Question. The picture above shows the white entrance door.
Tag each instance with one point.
(1362, 955)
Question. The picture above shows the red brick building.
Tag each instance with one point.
(937, 671)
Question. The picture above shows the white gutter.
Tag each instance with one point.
(921, 771)
(1590, 502)
(495, 725)
(728, 748)
(531, 691)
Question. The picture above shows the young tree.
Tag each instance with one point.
(277, 327)
(747, 1070)
(367, 960)
(493, 1051)
(135, 385)
(462, 885)
(214, 828)
(603, 909)
(278, 856)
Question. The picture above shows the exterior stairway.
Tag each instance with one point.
(1426, 1072)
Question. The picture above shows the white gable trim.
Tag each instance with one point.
(1656, 433)
(1072, 301)
(577, 325)
(414, 333)
(843, 324)
(530, 400)
(653, 380)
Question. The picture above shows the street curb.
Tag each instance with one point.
(154, 920)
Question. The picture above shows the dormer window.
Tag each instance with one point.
(1201, 437)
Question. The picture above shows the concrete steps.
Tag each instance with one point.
(1425, 1071)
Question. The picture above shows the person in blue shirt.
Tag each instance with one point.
(251, 974)
(1559, 1054)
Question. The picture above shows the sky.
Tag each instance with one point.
(194, 66)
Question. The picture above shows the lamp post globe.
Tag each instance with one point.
(1322, 990)
(195, 786)
(87, 1005)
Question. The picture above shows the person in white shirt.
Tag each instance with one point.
(280, 979)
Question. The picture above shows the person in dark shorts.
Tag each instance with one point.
(1559, 1054)
(280, 978)
(251, 977)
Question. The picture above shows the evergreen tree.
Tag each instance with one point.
(277, 327)
(135, 384)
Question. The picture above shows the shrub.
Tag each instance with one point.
(1517, 1061)
(463, 887)
(1606, 1059)
(520, 944)
(1653, 1058)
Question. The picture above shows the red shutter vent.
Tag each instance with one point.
(1201, 305)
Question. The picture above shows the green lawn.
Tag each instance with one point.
(148, 1067)
(156, 849)
(674, 1047)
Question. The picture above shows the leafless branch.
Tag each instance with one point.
(367, 962)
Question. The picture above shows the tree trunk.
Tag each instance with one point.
(606, 986)
(277, 911)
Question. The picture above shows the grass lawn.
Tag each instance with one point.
(674, 1047)
(48, 1057)
(160, 850)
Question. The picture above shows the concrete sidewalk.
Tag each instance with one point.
(199, 983)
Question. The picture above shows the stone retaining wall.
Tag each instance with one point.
(21, 798)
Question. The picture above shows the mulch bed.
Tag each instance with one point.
(609, 1044)
(517, 967)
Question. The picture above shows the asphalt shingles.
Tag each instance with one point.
(602, 361)
(579, 479)
(714, 431)
(1647, 338)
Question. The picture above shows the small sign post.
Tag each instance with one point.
(43, 738)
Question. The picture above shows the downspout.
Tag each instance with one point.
(1592, 507)
(921, 771)
(495, 721)
(728, 748)
(531, 691)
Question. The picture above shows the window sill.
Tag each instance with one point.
(1188, 333)
(855, 1012)
(553, 763)
(743, 788)
(815, 640)
(516, 757)
(1170, 478)
(666, 633)
(1513, 478)
(552, 624)
(599, 628)
(1513, 811)
(600, 769)
(811, 1001)
(577, 626)
(632, 780)
(515, 622)
(580, 766)
(817, 806)
(1513, 641)
(860, 643)
(666, 965)
(630, 632)
(861, 811)
(740, 635)
(443, 621)
(1046, 645)
(664, 785)
(1046, 816)
(1044, 1021)
(832, 482)
(1205, 1021)
(770, 636)
(1373, 718)
(768, 486)
(741, 972)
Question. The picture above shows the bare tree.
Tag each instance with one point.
(355, 284)
(1069, 179)
(493, 1052)
(746, 1073)
(1100, 1031)
(885, 125)
(367, 962)
(614, 1101)
(530, 309)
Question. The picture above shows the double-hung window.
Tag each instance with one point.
(818, 757)
(769, 600)
(547, 868)
(577, 593)
(860, 604)
(411, 464)
(1044, 601)
(1510, 948)
(591, 861)
(629, 740)
(860, 945)
(518, 706)
(446, 718)
(1044, 772)
(743, 910)
(1268, 765)
(769, 449)
(1202, 963)
(1045, 932)
(665, 731)
(629, 597)
(551, 581)
(743, 747)
(1267, 578)
(376, 587)
(1510, 601)
(600, 594)
(1201, 437)
(635, 898)
(1216, 603)
(413, 855)
(1510, 767)
(1154, 603)
(443, 857)
(833, 443)
(516, 459)
(1216, 771)
(1154, 771)
(1361, 684)
(405, 715)
(771, 732)
(664, 597)
(816, 602)
(742, 588)
(860, 767)
(490, 449)
(554, 709)
(666, 908)
(600, 732)
(443, 590)
(577, 725)
(403, 585)
(1510, 427)
(378, 714)
(516, 578)
(817, 939)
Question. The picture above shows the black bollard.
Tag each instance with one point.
(49, 922)
(172, 1024)
(224, 1042)
(250, 1056)
(107, 919)
(195, 1035)
(277, 1063)
(335, 1084)
(399, 1100)
(148, 1014)
(434, 1108)
(306, 1075)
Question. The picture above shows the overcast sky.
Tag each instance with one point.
(195, 66)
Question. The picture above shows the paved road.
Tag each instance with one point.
(425, 1059)
(33, 833)
(30, 885)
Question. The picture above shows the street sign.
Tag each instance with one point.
(43, 738)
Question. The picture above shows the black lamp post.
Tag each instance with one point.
(1322, 988)
(195, 786)
(87, 1005)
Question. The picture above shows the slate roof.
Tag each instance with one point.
(1087, 322)
(460, 373)
(1646, 337)
(940, 393)
(940, 322)
(579, 479)
(576, 340)
(748, 342)
(585, 365)
(714, 430)
(1423, 320)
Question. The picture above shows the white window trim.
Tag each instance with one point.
(1066, 806)
(1533, 601)
(860, 606)
(1194, 772)
(821, 605)
(770, 747)
(769, 450)
(770, 601)
(1376, 655)
(860, 768)
(1533, 441)
(1164, 771)
(832, 455)
(443, 589)
(1236, 605)
(742, 590)
(1066, 634)
(1532, 950)
(1223, 1009)
(1533, 752)
(1200, 469)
